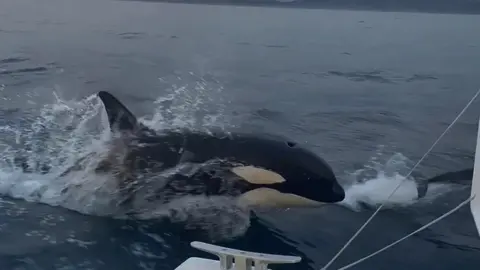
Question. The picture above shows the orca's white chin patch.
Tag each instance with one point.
(266, 197)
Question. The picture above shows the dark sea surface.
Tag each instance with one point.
(428, 6)
(368, 91)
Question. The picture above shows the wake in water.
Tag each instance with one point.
(66, 132)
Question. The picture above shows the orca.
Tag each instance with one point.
(461, 177)
(257, 169)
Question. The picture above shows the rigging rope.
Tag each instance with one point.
(411, 234)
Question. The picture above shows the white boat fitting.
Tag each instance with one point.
(233, 259)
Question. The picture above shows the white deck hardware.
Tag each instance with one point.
(233, 259)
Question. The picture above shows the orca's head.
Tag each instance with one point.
(309, 176)
(291, 176)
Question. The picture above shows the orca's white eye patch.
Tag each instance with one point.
(258, 176)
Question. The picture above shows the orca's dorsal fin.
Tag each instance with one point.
(119, 117)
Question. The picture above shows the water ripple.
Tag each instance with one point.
(23, 70)
(375, 76)
(10, 60)
(132, 35)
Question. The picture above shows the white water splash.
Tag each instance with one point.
(195, 105)
(373, 184)
(65, 132)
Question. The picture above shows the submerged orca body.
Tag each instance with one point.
(461, 177)
(263, 170)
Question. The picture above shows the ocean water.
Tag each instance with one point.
(368, 91)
